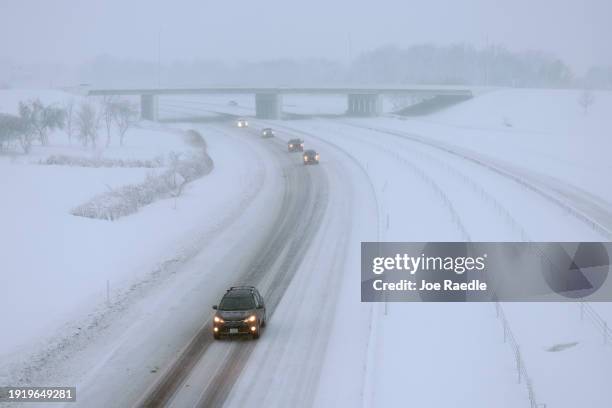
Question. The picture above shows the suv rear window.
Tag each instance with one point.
(230, 303)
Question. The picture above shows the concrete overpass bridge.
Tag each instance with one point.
(361, 101)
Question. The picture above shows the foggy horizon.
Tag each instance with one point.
(71, 34)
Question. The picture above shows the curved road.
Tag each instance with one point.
(275, 261)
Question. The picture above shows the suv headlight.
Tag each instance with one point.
(217, 319)
(250, 319)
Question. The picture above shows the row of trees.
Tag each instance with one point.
(459, 63)
(35, 120)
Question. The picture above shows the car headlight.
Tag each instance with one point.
(290, 145)
(317, 157)
(250, 318)
(217, 319)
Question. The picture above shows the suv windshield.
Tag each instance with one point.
(237, 303)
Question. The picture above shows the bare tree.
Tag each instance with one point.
(125, 115)
(26, 134)
(586, 100)
(41, 119)
(87, 121)
(69, 118)
(108, 114)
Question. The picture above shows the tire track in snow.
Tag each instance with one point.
(394, 154)
(319, 278)
(454, 214)
(368, 372)
(304, 204)
(452, 172)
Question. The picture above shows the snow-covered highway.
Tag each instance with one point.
(422, 189)
(263, 218)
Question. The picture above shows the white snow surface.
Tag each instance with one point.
(381, 188)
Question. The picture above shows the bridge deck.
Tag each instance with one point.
(398, 90)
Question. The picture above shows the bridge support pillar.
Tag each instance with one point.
(364, 105)
(148, 107)
(268, 105)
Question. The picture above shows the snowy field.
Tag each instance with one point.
(62, 274)
(388, 180)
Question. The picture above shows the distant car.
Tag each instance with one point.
(310, 157)
(241, 312)
(242, 123)
(267, 132)
(232, 103)
(295, 145)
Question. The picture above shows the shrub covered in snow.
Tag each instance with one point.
(126, 200)
(65, 160)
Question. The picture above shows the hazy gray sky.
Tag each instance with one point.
(72, 31)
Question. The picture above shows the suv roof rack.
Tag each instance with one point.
(242, 287)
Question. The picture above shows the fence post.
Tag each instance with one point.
(605, 332)
(518, 363)
(108, 293)
(581, 311)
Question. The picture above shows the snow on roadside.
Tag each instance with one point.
(549, 135)
(567, 360)
(544, 131)
(56, 268)
(414, 348)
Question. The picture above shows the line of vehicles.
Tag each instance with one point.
(242, 311)
(294, 145)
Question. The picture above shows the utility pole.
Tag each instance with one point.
(487, 60)
(159, 58)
